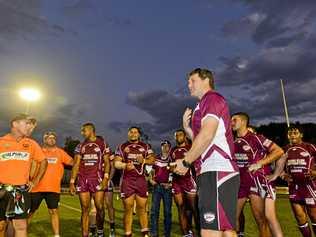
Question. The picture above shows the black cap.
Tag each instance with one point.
(163, 142)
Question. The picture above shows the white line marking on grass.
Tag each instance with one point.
(69, 207)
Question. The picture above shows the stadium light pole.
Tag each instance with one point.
(29, 95)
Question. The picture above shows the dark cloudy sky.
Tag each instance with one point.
(119, 63)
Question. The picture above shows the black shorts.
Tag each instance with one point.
(217, 199)
(51, 199)
(14, 204)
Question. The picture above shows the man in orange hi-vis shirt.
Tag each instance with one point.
(49, 186)
(17, 151)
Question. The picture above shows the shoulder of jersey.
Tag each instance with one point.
(100, 139)
(215, 94)
(30, 140)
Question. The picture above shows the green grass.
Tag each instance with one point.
(70, 220)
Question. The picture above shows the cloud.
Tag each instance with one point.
(274, 20)
(164, 107)
(286, 38)
(21, 20)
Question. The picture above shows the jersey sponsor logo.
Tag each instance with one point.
(14, 155)
(304, 154)
(6, 145)
(89, 164)
(90, 157)
(209, 217)
(246, 148)
(241, 156)
(52, 160)
(26, 145)
(97, 149)
(296, 162)
(132, 156)
(141, 149)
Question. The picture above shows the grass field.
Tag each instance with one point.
(70, 220)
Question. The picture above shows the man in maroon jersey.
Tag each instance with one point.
(160, 179)
(300, 169)
(91, 165)
(212, 153)
(184, 187)
(253, 154)
(131, 157)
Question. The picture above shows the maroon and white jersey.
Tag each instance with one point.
(179, 153)
(129, 152)
(219, 154)
(300, 161)
(91, 162)
(161, 169)
(251, 148)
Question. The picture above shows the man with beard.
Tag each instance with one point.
(49, 186)
(184, 187)
(91, 165)
(131, 157)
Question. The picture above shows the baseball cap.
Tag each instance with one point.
(163, 142)
(50, 133)
(23, 117)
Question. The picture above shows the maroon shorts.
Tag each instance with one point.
(304, 194)
(90, 185)
(134, 185)
(257, 186)
(183, 185)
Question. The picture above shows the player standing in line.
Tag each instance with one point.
(91, 166)
(131, 157)
(270, 204)
(108, 201)
(300, 174)
(184, 187)
(253, 154)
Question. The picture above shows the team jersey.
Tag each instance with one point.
(16, 158)
(51, 180)
(219, 154)
(129, 152)
(177, 153)
(161, 171)
(251, 148)
(300, 161)
(91, 162)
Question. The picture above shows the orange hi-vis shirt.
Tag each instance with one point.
(16, 158)
(56, 158)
